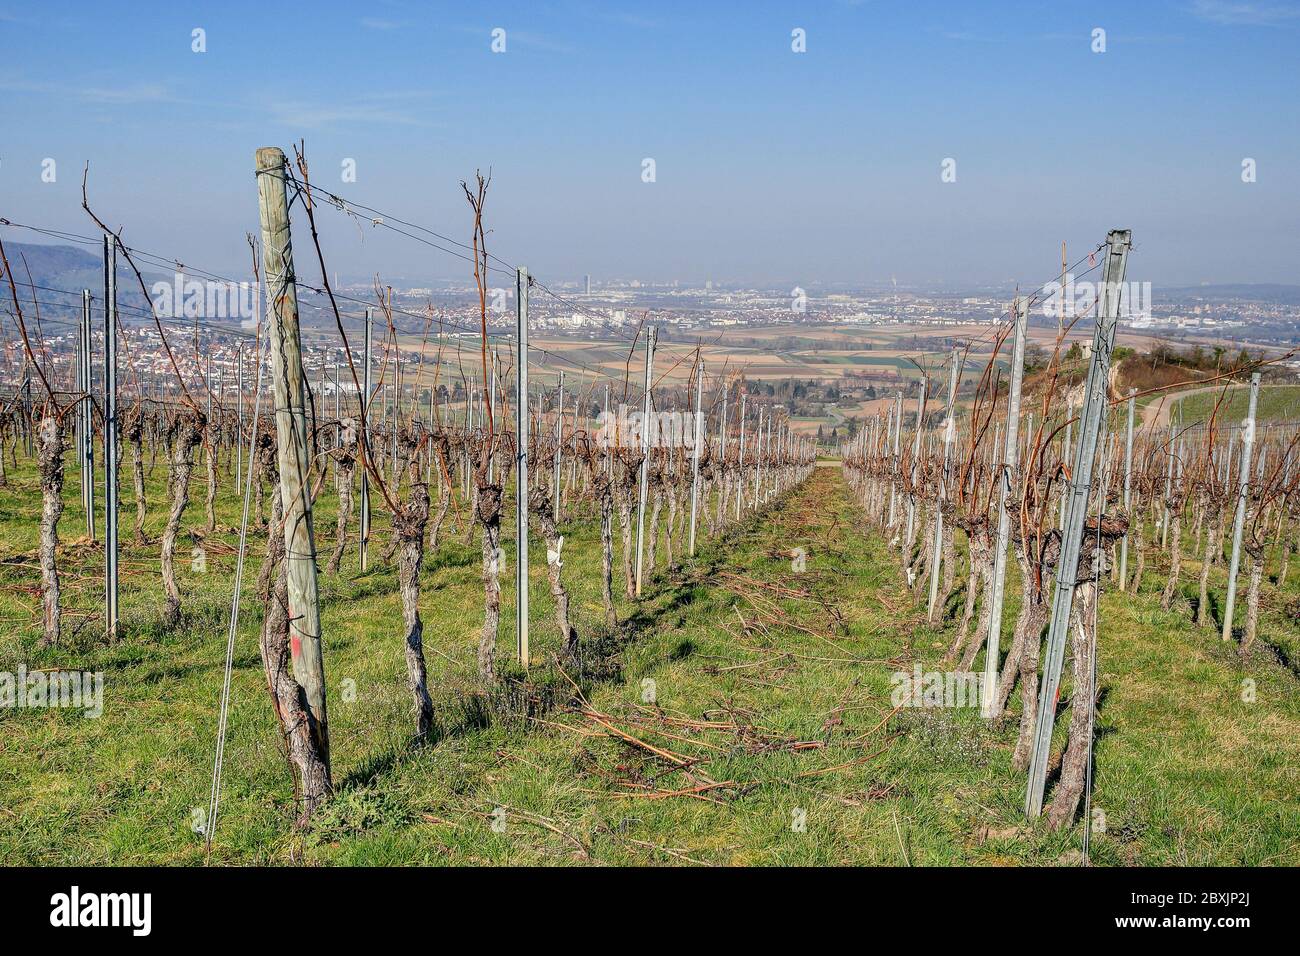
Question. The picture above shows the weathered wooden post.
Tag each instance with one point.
(289, 391)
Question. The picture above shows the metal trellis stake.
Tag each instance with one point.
(521, 463)
(1008, 469)
(695, 457)
(1128, 490)
(363, 542)
(1067, 569)
(559, 443)
(110, 438)
(86, 443)
(1243, 494)
(239, 416)
(645, 455)
(949, 429)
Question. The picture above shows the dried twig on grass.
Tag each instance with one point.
(546, 823)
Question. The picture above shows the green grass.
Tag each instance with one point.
(794, 723)
(1276, 403)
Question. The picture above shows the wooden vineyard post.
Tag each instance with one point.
(292, 452)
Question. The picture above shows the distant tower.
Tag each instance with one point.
(586, 283)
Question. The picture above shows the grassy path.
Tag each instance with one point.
(741, 716)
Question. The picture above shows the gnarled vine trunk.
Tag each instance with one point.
(135, 436)
(308, 760)
(49, 463)
(605, 494)
(1175, 559)
(540, 505)
(210, 500)
(408, 525)
(1083, 701)
(488, 512)
(1207, 561)
(1256, 554)
(344, 469)
(1029, 633)
(188, 430)
(625, 521)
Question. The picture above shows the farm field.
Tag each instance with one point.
(788, 717)
(755, 351)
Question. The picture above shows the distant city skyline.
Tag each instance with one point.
(942, 145)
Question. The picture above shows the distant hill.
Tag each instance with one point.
(70, 269)
(1256, 291)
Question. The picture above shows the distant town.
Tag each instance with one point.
(210, 323)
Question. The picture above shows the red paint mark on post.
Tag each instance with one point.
(295, 646)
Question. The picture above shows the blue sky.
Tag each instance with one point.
(772, 166)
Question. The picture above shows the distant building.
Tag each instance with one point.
(586, 284)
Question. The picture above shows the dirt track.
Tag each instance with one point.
(1157, 413)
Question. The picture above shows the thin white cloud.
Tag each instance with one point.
(374, 23)
(394, 108)
(518, 38)
(1235, 13)
(538, 42)
(125, 95)
(102, 94)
